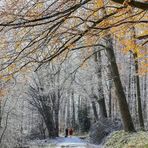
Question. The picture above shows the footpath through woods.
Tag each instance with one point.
(61, 142)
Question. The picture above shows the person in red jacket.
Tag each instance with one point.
(70, 132)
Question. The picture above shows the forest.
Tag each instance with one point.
(76, 64)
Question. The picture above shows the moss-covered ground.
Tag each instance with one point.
(121, 139)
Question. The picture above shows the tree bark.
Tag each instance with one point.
(110, 102)
(140, 113)
(136, 64)
(121, 97)
(100, 99)
(122, 102)
(145, 97)
(73, 110)
(93, 102)
(0, 113)
(68, 121)
(133, 3)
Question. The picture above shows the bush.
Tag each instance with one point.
(101, 129)
(84, 119)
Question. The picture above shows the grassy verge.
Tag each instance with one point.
(121, 139)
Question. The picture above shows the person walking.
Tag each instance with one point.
(70, 132)
(66, 132)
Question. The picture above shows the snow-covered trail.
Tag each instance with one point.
(61, 142)
(73, 142)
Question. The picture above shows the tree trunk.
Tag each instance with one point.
(48, 116)
(49, 121)
(57, 123)
(68, 122)
(0, 113)
(50, 127)
(110, 102)
(122, 102)
(140, 113)
(57, 108)
(121, 97)
(103, 112)
(73, 111)
(135, 56)
(100, 99)
(145, 96)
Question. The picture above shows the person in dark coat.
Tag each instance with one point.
(66, 132)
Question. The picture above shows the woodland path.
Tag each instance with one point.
(69, 142)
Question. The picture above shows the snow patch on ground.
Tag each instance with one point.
(70, 140)
(59, 142)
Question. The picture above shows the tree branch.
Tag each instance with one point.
(134, 3)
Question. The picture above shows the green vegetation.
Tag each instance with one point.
(121, 139)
